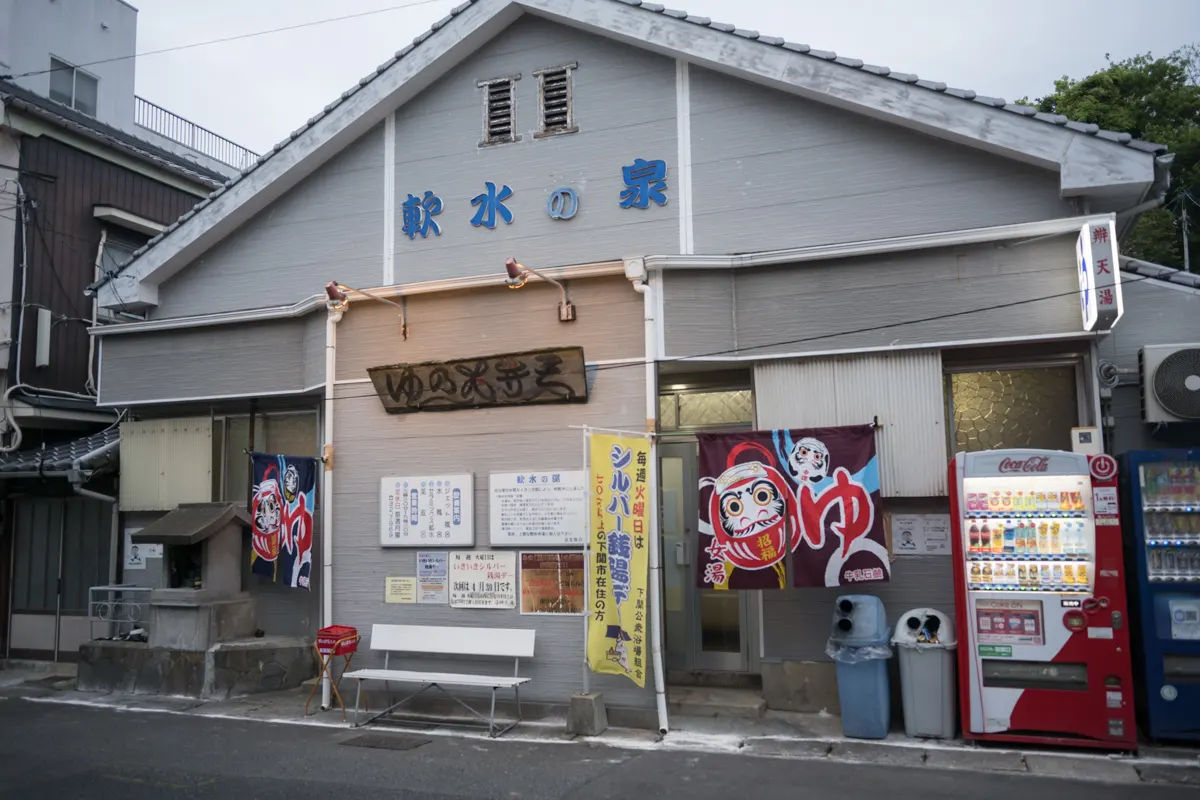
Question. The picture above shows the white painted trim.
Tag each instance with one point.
(239, 396)
(315, 302)
(948, 345)
(362, 108)
(1085, 163)
(125, 219)
(683, 135)
(895, 244)
(389, 200)
(657, 284)
(348, 381)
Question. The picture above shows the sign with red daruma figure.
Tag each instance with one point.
(813, 493)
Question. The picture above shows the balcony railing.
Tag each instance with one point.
(174, 127)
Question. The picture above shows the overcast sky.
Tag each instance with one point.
(255, 91)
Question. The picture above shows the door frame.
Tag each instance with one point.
(748, 659)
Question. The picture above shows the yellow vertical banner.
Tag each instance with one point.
(618, 603)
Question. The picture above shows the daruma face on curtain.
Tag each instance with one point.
(752, 510)
(266, 509)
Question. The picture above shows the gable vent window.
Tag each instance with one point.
(556, 107)
(500, 110)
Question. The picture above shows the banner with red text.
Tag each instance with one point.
(812, 492)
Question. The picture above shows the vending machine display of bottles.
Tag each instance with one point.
(1162, 489)
(1028, 533)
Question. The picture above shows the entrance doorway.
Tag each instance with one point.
(706, 630)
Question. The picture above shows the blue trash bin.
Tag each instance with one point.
(859, 646)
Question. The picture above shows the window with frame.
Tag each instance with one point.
(283, 433)
(556, 102)
(1026, 407)
(500, 110)
(73, 87)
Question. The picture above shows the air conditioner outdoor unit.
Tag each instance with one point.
(1170, 382)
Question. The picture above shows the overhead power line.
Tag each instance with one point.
(224, 39)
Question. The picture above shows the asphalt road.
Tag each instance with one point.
(55, 751)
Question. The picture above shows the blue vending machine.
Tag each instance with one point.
(1162, 544)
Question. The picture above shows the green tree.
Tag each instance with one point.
(1156, 99)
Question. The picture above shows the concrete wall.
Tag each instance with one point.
(772, 171)
(79, 32)
(371, 445)
(866, 302)
(1155, 313)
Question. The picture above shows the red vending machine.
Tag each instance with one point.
(1043, 626)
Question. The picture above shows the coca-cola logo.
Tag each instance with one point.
(1031, 464)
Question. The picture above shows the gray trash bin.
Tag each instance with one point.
(925, 640)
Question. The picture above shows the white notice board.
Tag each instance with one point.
(483, 579)
(425, 511)
(537, 509)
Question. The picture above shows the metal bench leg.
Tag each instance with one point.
(357, 697)
(517, 692)
(492, 716)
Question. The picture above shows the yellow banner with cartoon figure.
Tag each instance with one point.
(619, 513)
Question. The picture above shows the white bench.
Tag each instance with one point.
(435, 641)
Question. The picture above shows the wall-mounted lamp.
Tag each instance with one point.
(339, 300)
(518, 275)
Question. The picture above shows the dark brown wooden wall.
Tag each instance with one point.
(62, 237)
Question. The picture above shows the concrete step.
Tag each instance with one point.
(703, 701)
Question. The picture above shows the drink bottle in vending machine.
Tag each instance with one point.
(1043, 628)
(1162, 556)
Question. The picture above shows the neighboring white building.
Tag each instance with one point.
(79, 53)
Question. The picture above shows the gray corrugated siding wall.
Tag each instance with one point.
(330, 227)
(1154, 314)
(242, 360)
(869, 302)
(903, 391)
(773, 171)
(624, 101)
(314, 348)
(371, 445)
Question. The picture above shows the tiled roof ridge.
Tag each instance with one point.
(1159, 272)
(853, 63)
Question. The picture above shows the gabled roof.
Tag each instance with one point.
(70, 119)
(1089, 159)
(94, 452)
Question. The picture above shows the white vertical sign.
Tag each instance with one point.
(1099, 275)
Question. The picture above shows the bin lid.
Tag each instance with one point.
(859, 620)
(924, 627)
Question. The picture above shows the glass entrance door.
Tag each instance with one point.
(705, 629)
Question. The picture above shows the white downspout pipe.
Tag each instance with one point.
(635, 270)
(331, 322)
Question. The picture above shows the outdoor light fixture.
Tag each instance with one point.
(339, 300)
(518, 275)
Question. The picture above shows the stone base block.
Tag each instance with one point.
(228, 669)
(587, 716)
(809, 686)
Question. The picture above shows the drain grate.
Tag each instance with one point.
(387, 741)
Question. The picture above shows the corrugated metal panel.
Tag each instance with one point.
(165, 462)
(903, 390)
(228, 360)
(782, 171)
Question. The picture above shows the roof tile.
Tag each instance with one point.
(771, 41)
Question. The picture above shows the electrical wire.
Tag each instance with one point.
(890, 326)
(224, 39)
